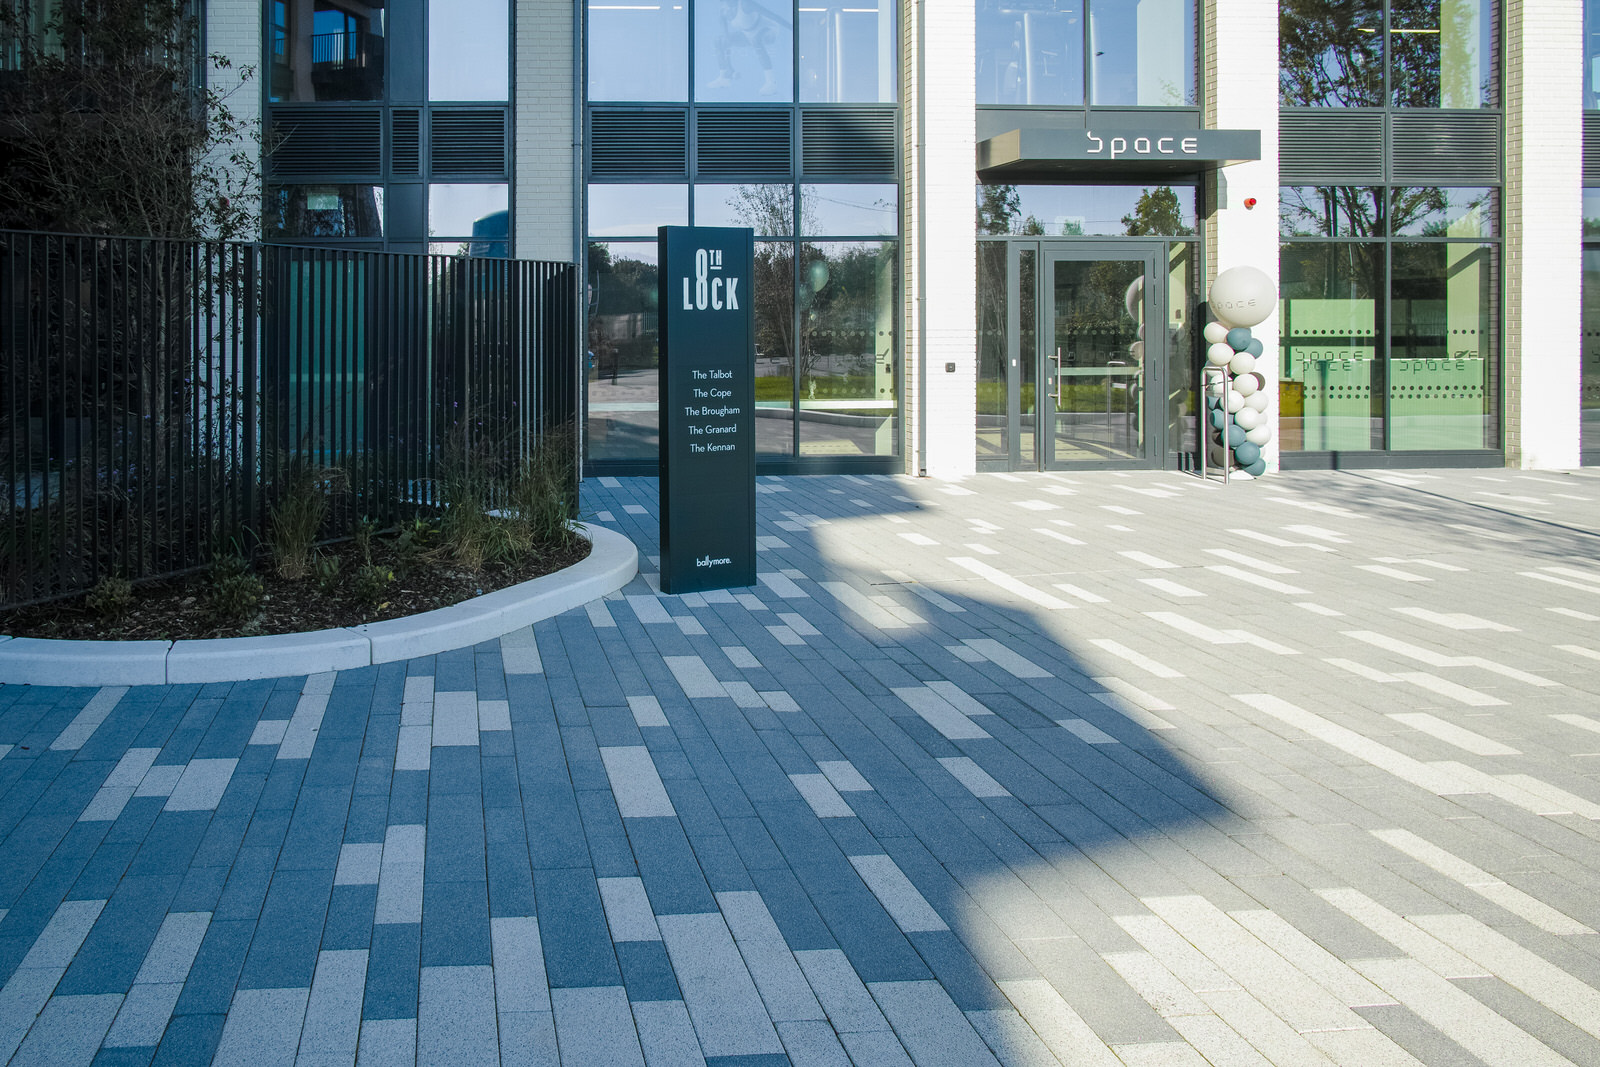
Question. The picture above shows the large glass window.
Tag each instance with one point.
(469, 45)
(1591, 54)
(1440, 53)
(1389, 336)
(1030, 52)
(847, 51)
(308, 211)
(1141, 53)
(743, 50)
(326, 50)
(1591, 322)
(469, 220)
(1086, 210)
(638, 51)
(825, 294)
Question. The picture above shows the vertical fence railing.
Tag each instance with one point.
(154, 394)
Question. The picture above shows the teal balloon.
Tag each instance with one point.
(1219, 418)
(1239, 338)
(1236, 439)
(1245, 452)
(1255, 348)
(1256, 469)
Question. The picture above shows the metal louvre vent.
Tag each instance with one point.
(405, 142)
(315, 141)
(1330, 148)
(847, 142)
(744, 144)
(467, 141)
(652, 142)
(1440, 148)
(1591, 148)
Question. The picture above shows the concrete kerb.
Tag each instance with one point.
(612, 562)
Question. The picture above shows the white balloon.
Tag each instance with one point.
(1244, 386)
(1215, 332)
(1133, 299)
(1235, 402)
(1215, 387)
(1260, 435)
(1243, 296)
(1219, 354)
(1260, 400)
(1247, 417)
(1136, 350)
(1242, 363)
(1141, 331)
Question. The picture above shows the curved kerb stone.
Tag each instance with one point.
(611, 564)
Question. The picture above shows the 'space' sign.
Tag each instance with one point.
(707, 408)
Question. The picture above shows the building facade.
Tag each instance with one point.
(985, 228)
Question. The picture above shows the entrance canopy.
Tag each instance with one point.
(1101, 152)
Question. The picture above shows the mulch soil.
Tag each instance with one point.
(178, 609)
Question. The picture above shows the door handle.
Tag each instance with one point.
(1055, 393)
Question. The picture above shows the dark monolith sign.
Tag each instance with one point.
(708, 426)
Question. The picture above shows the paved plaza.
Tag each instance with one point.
(1092, 769)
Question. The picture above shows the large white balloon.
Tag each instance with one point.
(1215, 387)
(1215, 332)
(1260, 400)
(1134, 297)
(1247, 417)
(1244, 386)
(1235, 402)
(1260, 435)
(1243, 296)
(1242, 363)
(1219, 354)
(1136, 350)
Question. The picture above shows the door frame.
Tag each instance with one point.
(1153, 253)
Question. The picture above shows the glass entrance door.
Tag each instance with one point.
(1099, 363)
(1074, 341)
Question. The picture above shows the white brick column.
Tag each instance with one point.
(1543, 209)
(938, 91)
(1241, 65)
(546, 143)
(233, 29)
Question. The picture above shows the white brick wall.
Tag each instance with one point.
(940, 240)
(1242, 94)
(545, 141)
(233, 29)
(1543, 235)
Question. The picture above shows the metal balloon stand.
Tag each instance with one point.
(1206, 429)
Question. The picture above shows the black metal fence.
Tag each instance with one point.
(153, 394)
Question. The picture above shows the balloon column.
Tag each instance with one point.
(1238, 427)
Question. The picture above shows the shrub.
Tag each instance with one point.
(296, 518)
(235, 592)
(110, 599)
(371, 583)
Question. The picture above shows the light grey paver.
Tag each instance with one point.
(202, 785)
(595, 1025)
(520, 985)
(728, 1013)
(628, 910)
(263, 1028)
(666, 1034)
(636, 783)
(909, 908)
(930, 1026)
(456, 1018)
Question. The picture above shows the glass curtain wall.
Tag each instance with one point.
(827, 306)
(827, 285)
(1388, 321)
(1407, 53)
(1108, 53)
(326, 50)
(1591, 326)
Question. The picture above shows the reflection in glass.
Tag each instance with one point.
(1095, 362)
(849, 300)
(1591, 57)
(636, 210)
(1030, 52)
(767, 209)
(1441, 346)
(1142, 53)
(1330, 378)
(638, 51)
(1591, 212)
(1027, 365)
(1330, 54)
(622, 353)
(1183, 361)
(1330, 211)
(1591, 349)
(1086, 210)
(463, 210)
(323, 211)
(743, 50)
(850, 210)
(774, 380)
(1442, 54)
(847, 51)
(469, 50)
(1429, 211)
(326, 50)
(993, 422)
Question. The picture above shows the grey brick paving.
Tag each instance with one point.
(1115, 768)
